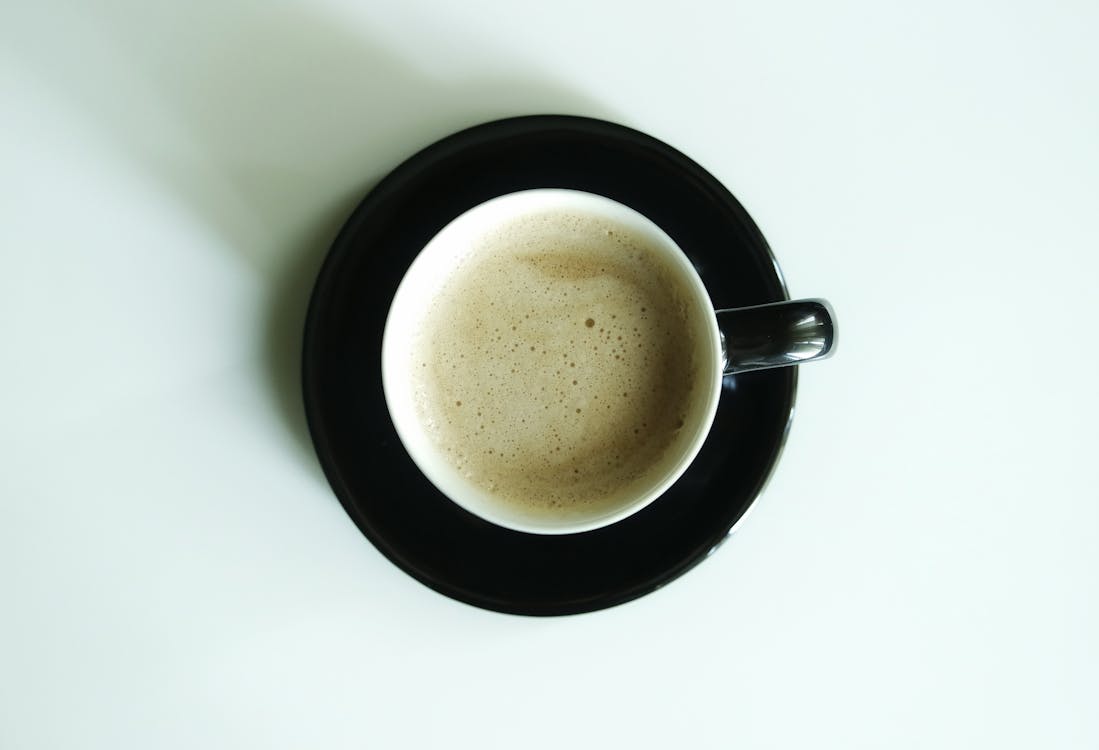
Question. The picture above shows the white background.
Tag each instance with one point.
(923, 571)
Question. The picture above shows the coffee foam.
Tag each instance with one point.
(558, 365)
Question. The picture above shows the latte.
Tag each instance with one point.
(559, 363)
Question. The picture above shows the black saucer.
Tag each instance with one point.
(410, 521)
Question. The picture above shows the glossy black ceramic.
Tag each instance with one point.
(402, 513)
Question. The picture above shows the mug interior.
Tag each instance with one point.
(431, 270)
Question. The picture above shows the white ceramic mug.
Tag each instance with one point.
(781, 334)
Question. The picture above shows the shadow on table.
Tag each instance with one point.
(271, 123)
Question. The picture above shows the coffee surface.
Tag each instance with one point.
(559, 364)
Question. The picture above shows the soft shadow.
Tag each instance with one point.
(271, 124)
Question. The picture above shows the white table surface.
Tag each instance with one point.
(923, 570)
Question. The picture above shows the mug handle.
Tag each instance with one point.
(776, 335)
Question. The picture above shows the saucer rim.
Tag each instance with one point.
(394, 182)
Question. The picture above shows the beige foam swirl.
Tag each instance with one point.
(559, 363)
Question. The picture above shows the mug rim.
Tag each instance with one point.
(407, 302)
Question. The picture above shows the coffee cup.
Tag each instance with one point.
(552, 361)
